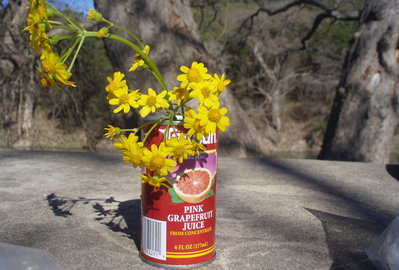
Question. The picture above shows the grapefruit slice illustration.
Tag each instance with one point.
(194, 185)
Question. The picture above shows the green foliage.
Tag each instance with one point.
(212, 16)
(93, 66)
(319, 127)
(338, 34)
(273, 32)
(84, 107)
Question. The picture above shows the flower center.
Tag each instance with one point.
(197, 125)
(214, 115)
(151, 101)
(113, 86)
(136, 159)
(206, 91)
(137, 57)
(43, 41)
(100, 33)
(48, 66)
(179, 150)
(42, 12)
(45, 82)
(124, 99)
(157, 162)
(181, 93)
(193, 75)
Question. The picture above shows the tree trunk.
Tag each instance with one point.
(365, 109)
(169, 29)
(17, 77)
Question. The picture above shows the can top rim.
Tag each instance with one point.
(179, 118)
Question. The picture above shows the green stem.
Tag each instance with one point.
(59, 38)
(145, 57)
(72, 21)
(76, 53)
(65, 56)
(151, 65)
(126, 31)
(55, 22)
(182, 108)
(150, 131)
(65, 28)
(129, 129)
(152, 122)
(62, 25)
(171, 116)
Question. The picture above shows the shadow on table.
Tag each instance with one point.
(125, 218)
(346, 238)
(393, 170)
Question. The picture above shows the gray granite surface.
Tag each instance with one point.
(84, 209)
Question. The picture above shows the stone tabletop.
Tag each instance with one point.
(84, 209)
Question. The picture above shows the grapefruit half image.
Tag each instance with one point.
(194, 185)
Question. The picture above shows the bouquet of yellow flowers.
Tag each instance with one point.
(194, 83)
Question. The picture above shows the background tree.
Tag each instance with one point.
(364, 114)
(286, 57)
(32, 116)
(169, 28)
(365, 111)
(17, 74)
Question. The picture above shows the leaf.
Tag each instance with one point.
(211, 193)
(175, 198)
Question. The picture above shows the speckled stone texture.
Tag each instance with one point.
(84, 209)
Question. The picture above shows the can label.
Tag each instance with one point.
(178, 223)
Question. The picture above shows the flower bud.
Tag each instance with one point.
(50, 12)
(53, 41)
(102, 32)
(94, 15)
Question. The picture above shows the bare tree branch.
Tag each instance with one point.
(202, 5)
(269, 72)
(333, 13)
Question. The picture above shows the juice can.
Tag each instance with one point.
(178, 222)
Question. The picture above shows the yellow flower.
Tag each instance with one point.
(220, 82)
(179, 94)
(34, 3)
(152, 102)
(94, 15)
(154, 181)
(132, 149)
(197, 147)
(205, 92)
(34, 22)
(213, 118)
(192, 122)
(39, 41)
(115, 83)
(46, 80)
(180, 148)
(134, 155)
(157, 161)
(102, 32)
(189, 112)
(195, 74)
(124, 142)
(54, 69)
(138, 60)
(112, 132)
(124, 99)
(37, 25)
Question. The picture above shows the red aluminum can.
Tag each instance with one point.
(178, 231)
